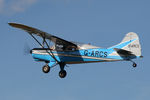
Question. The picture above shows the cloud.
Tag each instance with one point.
(15, 6)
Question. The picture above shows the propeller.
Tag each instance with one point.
(27, 50)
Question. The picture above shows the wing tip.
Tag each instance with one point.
(21, 26)
(10, 24)
(13, 24)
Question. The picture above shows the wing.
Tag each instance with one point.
(44, 35)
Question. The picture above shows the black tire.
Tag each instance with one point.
(62, 74)
(46, 69)
(134, 65)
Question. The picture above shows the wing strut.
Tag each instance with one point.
(50, 50)
(52, 55)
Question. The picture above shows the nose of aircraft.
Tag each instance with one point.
(30, 51)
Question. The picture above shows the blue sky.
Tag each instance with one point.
(99, 22)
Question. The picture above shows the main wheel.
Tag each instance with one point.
(46, 69)
(62, 74)
(134, 65)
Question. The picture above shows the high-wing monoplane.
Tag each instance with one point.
(67, 52)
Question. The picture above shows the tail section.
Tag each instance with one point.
(134, 46)
(130, 44)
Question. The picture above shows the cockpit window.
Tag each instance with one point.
(63, 48)
(59, 47)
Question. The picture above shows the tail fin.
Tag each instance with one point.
(130, 43)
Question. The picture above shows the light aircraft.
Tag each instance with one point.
(66, 52)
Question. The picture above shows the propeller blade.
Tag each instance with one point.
(27, 49)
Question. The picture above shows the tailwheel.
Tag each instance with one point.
(62, 74)
(134, 65)
(46, 68)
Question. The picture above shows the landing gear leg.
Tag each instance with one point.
(46, 68)
(62, 73)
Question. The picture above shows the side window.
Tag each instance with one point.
(64, 48)
(71, 48)
(59, 47)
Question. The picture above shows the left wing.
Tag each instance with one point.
(44, 35)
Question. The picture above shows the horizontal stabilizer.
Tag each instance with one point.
(123, 52)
